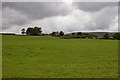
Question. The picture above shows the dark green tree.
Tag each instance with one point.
(106, 36)
(61, 33)
(79, 33)
(34, 31)
(29, 31)
(23, 31)
(116, 36)
(37, 31)
(73, 34)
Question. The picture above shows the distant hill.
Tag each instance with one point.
(101, 34)
(98, 34)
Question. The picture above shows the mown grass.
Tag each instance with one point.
(52, 57)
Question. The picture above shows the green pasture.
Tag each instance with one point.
(52, 57)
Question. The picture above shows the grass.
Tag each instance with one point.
(52, 57)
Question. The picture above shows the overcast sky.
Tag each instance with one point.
(60, 16)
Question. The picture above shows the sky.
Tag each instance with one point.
(60, 16)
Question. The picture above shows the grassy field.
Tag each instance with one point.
(52, 57)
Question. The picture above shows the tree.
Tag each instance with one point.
(34, 31)
(73, 33)
(116, 36)
(61, 33)
(79, 33)
(29, 31)
(23, 31)
(106, 36)
(37, 31)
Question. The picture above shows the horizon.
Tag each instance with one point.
(69, 32)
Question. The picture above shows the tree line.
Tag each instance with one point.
(38, 31)
(32, 31)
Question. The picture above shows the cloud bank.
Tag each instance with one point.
(57, 16)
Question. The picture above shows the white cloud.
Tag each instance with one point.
(114, 25)
(102, 19)
(72, 22)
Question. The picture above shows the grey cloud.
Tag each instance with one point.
(20, 13)
(55, 16)
(0, 16)
(12, 17)
(94, 6)
(38, 10)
